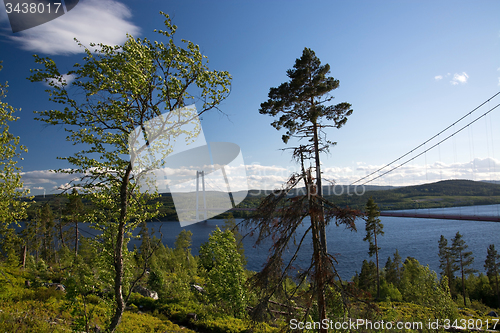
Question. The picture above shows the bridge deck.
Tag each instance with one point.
(396, 214)
(443, 216)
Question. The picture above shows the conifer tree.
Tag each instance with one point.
(368, 275)
(446, 261)
(47, 231)
(462, 259)
(492, 267)
(74, 212)
(393, 269)
(301, 107)
(373, 228)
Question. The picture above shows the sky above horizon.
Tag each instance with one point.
(409, 69)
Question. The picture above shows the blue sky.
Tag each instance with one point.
(409, 69)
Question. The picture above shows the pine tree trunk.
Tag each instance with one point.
(61, 234)
(76, 237)
(318, 254)
(25, 248)
(450, 276)
(463, 279)
(319, 188)
(120, 301)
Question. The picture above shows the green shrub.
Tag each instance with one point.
(419, 285)
(32, 316)
(143, 303)
(43, 294)
(225, 276)
(389, 292)
(143, 323)
(233, 325)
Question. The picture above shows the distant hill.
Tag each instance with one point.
(446, 193)
(491, 181)
(453, 187)
(330, 190)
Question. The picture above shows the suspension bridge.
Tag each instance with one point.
(450, 132)
(480, 113)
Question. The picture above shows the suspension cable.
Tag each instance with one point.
(451, 135)
(385, 166)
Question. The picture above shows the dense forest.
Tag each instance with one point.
(64, 282)
(55, 279)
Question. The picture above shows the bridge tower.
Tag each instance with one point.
(202, 175)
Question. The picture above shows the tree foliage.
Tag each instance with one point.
(225, 274)
(116, 90)
(420, 285)
(12, 209)
(446, 261)
(393, 269)
(300, 103)
(462, 260)
(373, 228)
(492, 267)
(73, 212)
(300, 106)
(230, 224)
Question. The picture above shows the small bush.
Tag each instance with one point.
(143, 303)
(135, 322)
(43, 294)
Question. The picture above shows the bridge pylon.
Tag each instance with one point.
(202, 175)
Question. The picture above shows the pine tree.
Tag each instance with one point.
(74, 211)
(462, 259)
(146, 244)
(446, 262)
(300, 106)
(47, 231)
(393, 269)
(492, 267)
(368, 276)
(373, 228)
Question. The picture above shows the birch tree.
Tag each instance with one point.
(117, 89)
(11, 208)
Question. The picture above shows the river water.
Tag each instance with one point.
(415, 237)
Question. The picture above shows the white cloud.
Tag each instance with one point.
(3, 14)
(91, 21)
(45, 179)
(64, 78)
(459, 78)
(274, 177)
(477, 169)
(438, 77)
